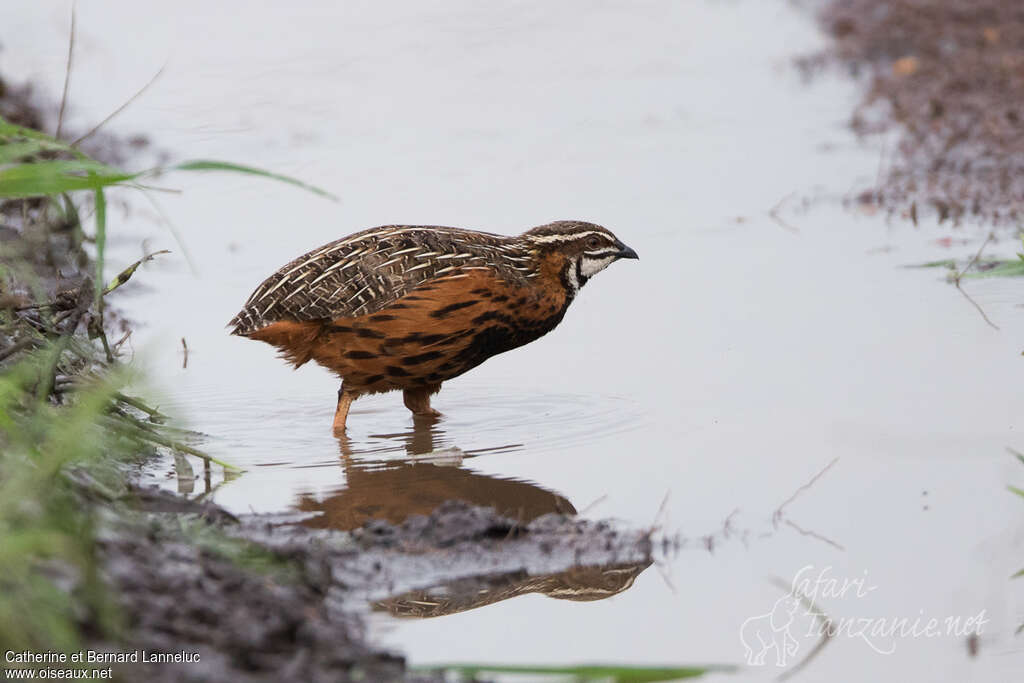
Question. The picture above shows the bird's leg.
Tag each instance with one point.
(418, 400)
(345, 399)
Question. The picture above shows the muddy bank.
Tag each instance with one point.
(949, 74)
(261, 600)
(264, 599)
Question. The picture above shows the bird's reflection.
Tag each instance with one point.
(581, 584)
(394, 490)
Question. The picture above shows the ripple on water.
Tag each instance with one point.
(262, 430)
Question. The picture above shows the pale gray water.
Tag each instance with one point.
(726, 368)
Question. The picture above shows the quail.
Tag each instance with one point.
(409, 307)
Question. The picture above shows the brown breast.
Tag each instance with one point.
(435, 332)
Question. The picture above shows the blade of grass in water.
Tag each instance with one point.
(207, 165)
(591, 672)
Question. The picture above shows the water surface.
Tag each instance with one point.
(727, 367)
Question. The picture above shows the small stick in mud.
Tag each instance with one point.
(184, 350)
(17, 346)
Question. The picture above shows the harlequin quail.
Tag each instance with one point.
(409, 307)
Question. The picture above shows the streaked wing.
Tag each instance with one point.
(366, 272)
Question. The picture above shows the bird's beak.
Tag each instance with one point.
(626, 252)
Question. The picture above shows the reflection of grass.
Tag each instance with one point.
(591, 672)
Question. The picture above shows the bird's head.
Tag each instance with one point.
(577, 250)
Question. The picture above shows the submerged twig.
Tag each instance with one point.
(154, 414)
(813, 534)
(778, 514)
(774, 214)
(133, 428)
(959, 275)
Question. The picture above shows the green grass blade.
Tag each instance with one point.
(1004, 269)
(1014, 489)
(207, 165)
(944, 263)
(101, 242)
(20, 150)
(10, 132)
(53, 177)
(589, 672)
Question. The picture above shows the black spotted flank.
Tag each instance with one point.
(337, 329)
(382, 318)
(450, 308)
(360, 355)
(395, 371)
(421, 358)
(500, 298)
(369, 334)
(417, 338)
(373, 379)
(492, 315)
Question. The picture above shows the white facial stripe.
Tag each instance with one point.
(601, 253)
(592, 266)
(548, 239)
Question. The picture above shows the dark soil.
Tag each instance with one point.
(264, 601)
(950, 75)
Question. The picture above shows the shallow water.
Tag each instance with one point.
(738, 358)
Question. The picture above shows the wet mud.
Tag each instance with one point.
(949, 75)
(267, 598)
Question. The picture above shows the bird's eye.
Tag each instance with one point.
(593, 242)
